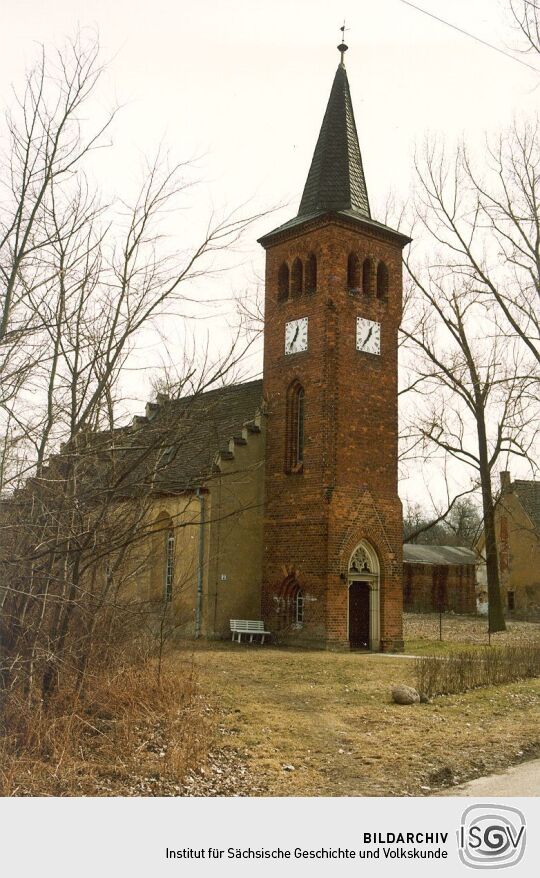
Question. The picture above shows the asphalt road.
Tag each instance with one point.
(523, 780)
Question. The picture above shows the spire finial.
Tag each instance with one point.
(342, 47)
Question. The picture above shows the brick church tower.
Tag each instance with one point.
(332, 565)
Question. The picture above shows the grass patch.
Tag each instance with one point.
(329, 715)
(130, 734)
(423, 646)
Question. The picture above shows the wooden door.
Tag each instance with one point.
(359, 615)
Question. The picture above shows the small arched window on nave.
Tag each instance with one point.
(169, 566)
(162, 555)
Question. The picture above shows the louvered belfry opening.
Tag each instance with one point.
(382, 280)
(297, 277)
(283, 282)
(367, 277)
(311, 274)
(353, 273)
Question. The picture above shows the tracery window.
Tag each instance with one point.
(361, 562)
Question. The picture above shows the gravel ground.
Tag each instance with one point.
(466, 629)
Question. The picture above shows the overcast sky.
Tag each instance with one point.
(246, 83)
(243, 86)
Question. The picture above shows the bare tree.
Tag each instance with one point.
(488, 221)
(473, 379)
(82, 281)
(457, 525)
(526, 14)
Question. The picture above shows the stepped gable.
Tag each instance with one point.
(187, 438)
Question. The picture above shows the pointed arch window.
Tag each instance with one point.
(298, 607)
(290, 604)
(169, 565)
(311, 274)
(283, 282)
(353, 273)
(382, 281)
(294, 462)
(297, 277)
(162, 560)
(367, 277)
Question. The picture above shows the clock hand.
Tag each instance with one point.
(293, 339)
(368, 336)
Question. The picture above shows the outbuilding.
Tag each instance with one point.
(439, 578)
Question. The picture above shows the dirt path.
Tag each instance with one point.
(321, 723)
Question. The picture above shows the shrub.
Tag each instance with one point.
(471, 669)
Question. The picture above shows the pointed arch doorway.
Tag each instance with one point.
(364, 624)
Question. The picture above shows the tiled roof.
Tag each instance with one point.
(336, 184)
(183, 437)
(440, 555)
(336, 177)
(528, 493)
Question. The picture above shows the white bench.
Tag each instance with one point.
(248, 626)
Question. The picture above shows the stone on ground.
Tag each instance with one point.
(405, 695)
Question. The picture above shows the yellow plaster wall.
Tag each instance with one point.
(233, 577)
(145, 564)
(523, 574)
(232, 548)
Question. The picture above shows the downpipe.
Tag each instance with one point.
(200, 566)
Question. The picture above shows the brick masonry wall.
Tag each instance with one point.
(348, 489)
(421, 584)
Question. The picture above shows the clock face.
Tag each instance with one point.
(296, 336)
(368, 336)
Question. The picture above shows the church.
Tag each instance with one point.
(283, 504)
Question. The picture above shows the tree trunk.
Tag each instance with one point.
(495, 611)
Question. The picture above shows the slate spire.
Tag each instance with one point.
(336, 177)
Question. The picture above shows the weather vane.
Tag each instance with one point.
(342, 47)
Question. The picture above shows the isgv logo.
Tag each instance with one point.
(491, 836)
